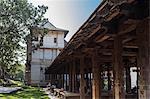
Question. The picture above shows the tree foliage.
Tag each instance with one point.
(17, 17)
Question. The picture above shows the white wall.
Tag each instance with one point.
(44, 54)
(37, 54)
(48, 40)
(61, 40)
(35, 73)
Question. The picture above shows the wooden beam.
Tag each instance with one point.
(107, 43)
(130, 1)
(113, 14)
(103, 36)
(88, 49)
(127, 26)
(130, 46)
(128, 39)
(100, 50)
(118, 69)
(94, 31)
(102, 39)
(123, 54)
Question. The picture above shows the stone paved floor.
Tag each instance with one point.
(9, 89)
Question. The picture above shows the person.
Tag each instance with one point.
(61, 89)
(52, 88)
(49, 84)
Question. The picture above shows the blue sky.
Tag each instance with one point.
(68, 14)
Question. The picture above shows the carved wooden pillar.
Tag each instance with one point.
(82, 81)
(65, 83)
(73, 76)
(143, 34)
(96, 89)
(67, 73)
(128, 78)
(62, 80)
(70, 77)
(102, 75)
(109, 76)
(118, 69)
(76, 80)
(63, 75)
(52, 78)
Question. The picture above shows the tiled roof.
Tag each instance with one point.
(50, 26)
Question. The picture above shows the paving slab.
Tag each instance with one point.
(9, 89)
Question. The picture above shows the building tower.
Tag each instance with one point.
(41, 52)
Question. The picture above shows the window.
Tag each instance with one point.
(55, 40)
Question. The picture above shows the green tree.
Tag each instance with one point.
(17, 17)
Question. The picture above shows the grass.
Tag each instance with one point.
(13, 82)
(2, 81)
(26, 93)
(18, 83)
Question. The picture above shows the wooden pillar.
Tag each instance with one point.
(73, 76)
(76, 80)
(70, 77)
(128, 79)
(89, 76)
(63, 78)
(118, 69)
(90, 81)
(67, 72)
(66, 81)
(59, 80)
(82, 81)
(102, 75)
(109, 75)
(144, 58)
(62, 81)
(96, 77)
(52, 79)
(87, 81)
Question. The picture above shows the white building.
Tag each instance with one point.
(40, 58)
